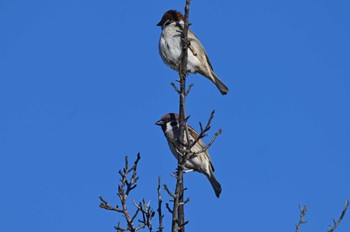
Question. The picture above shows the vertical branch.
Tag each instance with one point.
(177, 201)
(160, 215)
(178, 221)
(183, 71)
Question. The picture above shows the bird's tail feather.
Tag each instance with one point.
(219, 84)
(215, 184)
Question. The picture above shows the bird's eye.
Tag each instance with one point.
(173, 123)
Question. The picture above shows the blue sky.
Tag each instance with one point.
(81, 85)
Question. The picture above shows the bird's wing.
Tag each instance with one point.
(196, 46)
(194, 134)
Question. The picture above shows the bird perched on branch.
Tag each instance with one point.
(170, 49)
(201, 162)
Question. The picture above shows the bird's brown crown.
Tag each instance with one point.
(170, 117)
(170, 16)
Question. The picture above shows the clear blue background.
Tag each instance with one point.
(81, 85)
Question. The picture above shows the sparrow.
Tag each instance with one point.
(170, 49)
(200, 163)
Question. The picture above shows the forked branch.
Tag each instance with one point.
(127, 184)
(337, 223)
(303, 211)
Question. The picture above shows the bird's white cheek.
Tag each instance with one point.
(169, 133)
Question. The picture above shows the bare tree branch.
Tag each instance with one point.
(185, 149)
(337, 223)
(178, 221)
(303, 211)
(160, 215)
(173, 196)
(127, 184)
(207, 146)
(203, 131)
(178, 209)
(175, 87)
(168, 208)
(182, 226)
(189, 90)
(147, 214)
(105, 205)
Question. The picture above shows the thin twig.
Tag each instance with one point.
(185, 150)
(104, 205)
(147, 215)
(168, 208)
(189, 89)
(169, 192)
(201, 135)
(127, 184)
(209, 144)
(303, 211)
(182, 226)
(337, 223)
(136, 212)
(175, 87)
(203, 131)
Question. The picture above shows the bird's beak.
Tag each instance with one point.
(159, 24)
(159, 123)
